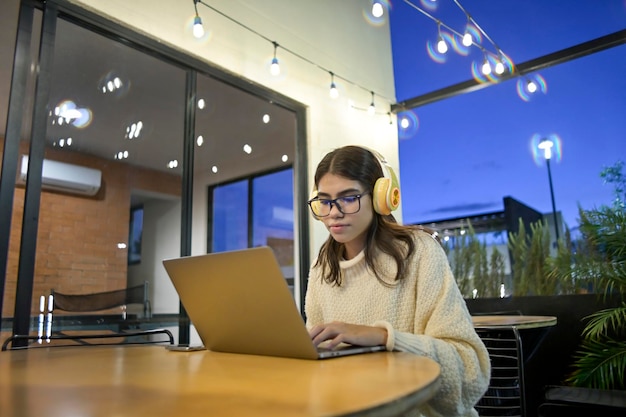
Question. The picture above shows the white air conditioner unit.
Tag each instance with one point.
(64, 177)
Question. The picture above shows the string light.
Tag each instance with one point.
(377, 9)
(486, 67)
(499, 68)
(334, 93)
(501, 65)
(442, 46)
(467, 36)
(371, 110)
(275, 66)
(198, 29)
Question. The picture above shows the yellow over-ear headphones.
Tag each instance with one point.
(386, 194)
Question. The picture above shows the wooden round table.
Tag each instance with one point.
(150, 381)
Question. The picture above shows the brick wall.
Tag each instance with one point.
(77, 236)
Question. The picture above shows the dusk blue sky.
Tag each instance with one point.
(470, 151)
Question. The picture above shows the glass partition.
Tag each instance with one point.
(111, 204)
(107, 152)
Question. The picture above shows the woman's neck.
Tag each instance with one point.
(353, 248)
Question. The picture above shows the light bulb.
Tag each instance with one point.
(275, 68)
(198, 30)
(334, 93)
(499, 68)
(467, 39)
(377, 9)
(442, 46)
(546, 146)
(486, 68)
(371, 110)
(531, 86)
(404, 123)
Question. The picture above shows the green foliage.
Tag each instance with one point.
(596, 262)
(613, 175)
(518, 245)
(490, 285)
(600, 364)
(600, 257)
(473, 268)
(530, 257)
(612, 320)
(560, 268)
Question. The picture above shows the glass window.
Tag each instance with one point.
(230, 217)
(99, 124)
(273, 217)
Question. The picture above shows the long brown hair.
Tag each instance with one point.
(384, 234)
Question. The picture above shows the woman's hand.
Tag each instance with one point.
(337, 332)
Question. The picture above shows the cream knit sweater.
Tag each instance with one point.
(424, 314)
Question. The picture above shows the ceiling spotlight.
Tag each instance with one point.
(334, 93)
(214, 169)
(247, 149)
(198, 30)
(200, 140)
(284, 158)
(201, 103)
(266, 118)
(377, 9)
(275, 67)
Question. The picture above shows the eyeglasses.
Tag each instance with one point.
(349, 204)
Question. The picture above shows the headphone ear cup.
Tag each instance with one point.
(386, 195)
(379, 196)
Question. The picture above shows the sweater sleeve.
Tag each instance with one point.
(444, 332)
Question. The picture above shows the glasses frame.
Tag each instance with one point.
(333, 202)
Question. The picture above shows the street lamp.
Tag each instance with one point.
(546, 146)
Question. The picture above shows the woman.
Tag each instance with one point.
(376, 282)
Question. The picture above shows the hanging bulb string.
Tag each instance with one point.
(195, 6)
(297, 55)
(480, 29)
(449, 28)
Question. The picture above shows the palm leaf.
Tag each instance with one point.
(603, 322)
(600, 364)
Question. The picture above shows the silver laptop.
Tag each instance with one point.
(239, 302)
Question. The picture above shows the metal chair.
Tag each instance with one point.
(505, 394)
